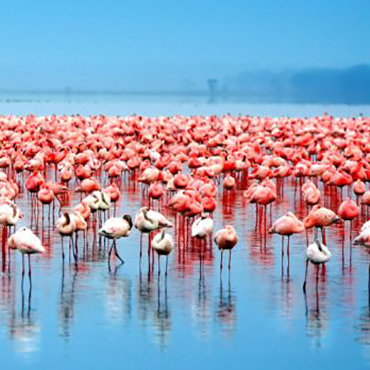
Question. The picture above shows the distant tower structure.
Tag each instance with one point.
(67, 93)
(213, 89)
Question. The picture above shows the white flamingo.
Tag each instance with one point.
(116, 228)
(163, 245)
(9, 214)
(317, 253)
(147, 221)
(202, 227)
(27, 243)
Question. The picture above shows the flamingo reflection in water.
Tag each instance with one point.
(118, 296)
(201, 305)
(67, 302)
(316, 320)
(24, 329)
(162, 321)
(226, 308)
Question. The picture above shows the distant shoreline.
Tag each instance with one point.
(49, 96)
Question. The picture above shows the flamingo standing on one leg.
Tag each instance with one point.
(318, 254)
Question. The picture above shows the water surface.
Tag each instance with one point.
(254, 316)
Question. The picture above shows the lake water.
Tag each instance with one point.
(43, 104)
(255, 316)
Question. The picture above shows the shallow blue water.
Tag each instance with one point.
(256, 315)
(45, 104)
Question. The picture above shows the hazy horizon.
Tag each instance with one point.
(168, 45)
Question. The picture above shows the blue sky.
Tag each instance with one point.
(143, 43)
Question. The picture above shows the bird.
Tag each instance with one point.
(115, 228)
(163, 246)
(80, 225)
(320, 217)
(359, 188)
(317, 253)
(287, 225)
(226, 239)
(26, 242)
(311, 194)
(348, 211)
(93, 201)
(66, 226)
(364, 237)
(10, 214)
(229, 182)
(45, 195)
(147, 220)
(104, 200)
(202, 227)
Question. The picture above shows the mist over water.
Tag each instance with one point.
(159, 105)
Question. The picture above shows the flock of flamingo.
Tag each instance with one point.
(182, 163)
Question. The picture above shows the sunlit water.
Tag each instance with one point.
(254, 316)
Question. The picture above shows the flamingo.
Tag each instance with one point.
(287, 225)
(226, 239)
(163, 246)
(26, 242)
(348, 210)
(10, 214)
(115, 228)
(317, 253)
(80, 225)
(320, 217)
(66, 226)
(202, 227)
(147, 220)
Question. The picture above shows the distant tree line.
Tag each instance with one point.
(318, 85)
